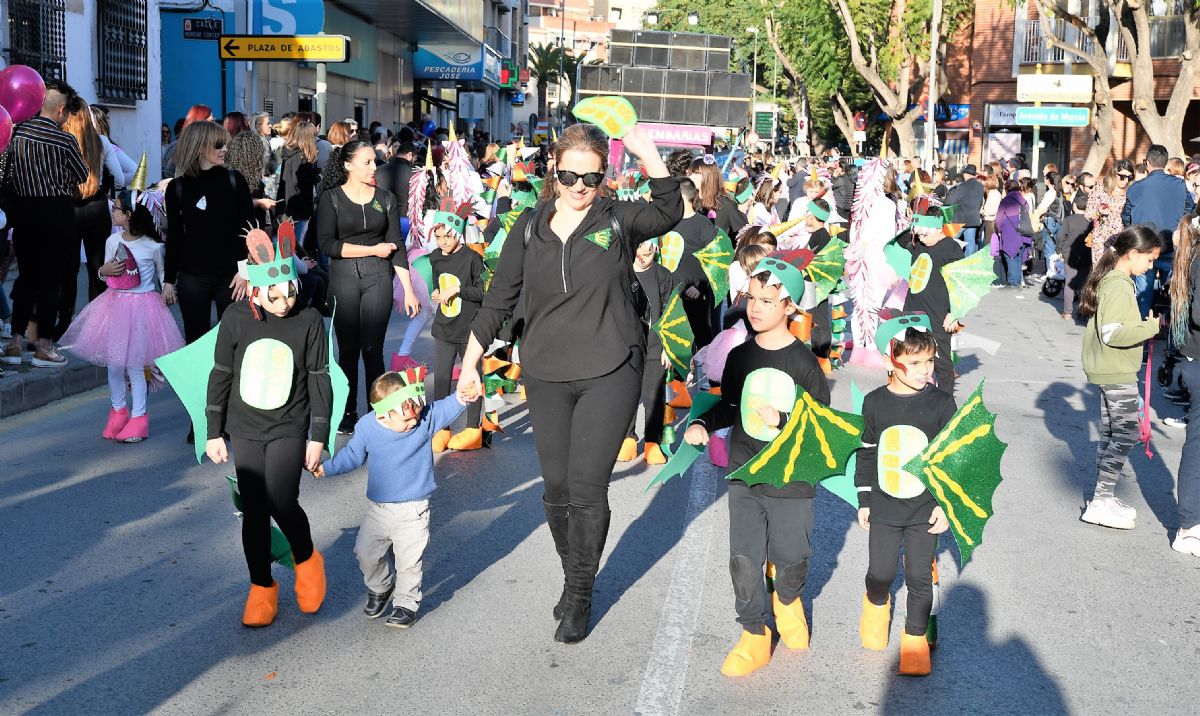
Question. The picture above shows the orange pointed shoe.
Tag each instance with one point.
(628, 450)
(654, 455)
(874, 624)
(914, 655)
(262, 605)
(490, 426)
(310, 583)
(440, 439)
(469, 439)
(682, 398)
(790, 621)
(514, 372)
(752, 652)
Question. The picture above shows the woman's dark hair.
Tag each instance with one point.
(1135, 238)
(1081, 201)
(1012, 185)
(1051, 178)
(334, 174)
(1026, 184)
(141, 221)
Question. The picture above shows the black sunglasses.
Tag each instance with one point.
(568, 178)
(219, 145)
(1126, 177)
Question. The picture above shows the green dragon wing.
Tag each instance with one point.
(676, 333)
(714, 260)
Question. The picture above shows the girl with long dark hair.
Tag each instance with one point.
(1185, 333)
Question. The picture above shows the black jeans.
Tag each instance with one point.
(943, 362)
(578, 428)
(269, 481)
(93, 223)
(43, 236)
(821, 340)
(443, 372)
(196, 295)
(762, 529)
(919, 546)
(654, 400)
(700, 316)
(362, 293)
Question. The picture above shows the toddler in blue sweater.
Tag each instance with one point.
(395, 529)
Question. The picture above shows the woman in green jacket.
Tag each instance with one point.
(1112, 354)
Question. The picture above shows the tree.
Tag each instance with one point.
(570, 68)
(1165, 128)
(889, 47)
(543, 67)
(1097, 60)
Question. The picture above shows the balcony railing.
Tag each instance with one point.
(498, 41)
(1166, 39)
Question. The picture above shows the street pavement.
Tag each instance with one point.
(123, 584)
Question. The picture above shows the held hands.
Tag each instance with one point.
(952, 326)
(312, 457)
(696, 434)
(864, 518)
(938, 520)
(216, 450)
(238, 284)
(384, 250)
(469, 386)
(319, 472)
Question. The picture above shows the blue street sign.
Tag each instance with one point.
(288, 17)
(1053, 116)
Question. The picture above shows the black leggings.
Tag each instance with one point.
(45, 243)
(919, 546)
(766, 529)
(821, 339)
(443, 372)
(362, 294)
(93, 223)
(700, 316)
(269, 481)
(654, 400)
(196, 295)
(578, 428)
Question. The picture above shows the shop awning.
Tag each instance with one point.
(422, 20)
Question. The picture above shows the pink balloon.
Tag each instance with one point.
(22, 92)
(6, 128)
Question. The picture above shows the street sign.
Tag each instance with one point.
(860, 122)
(202, 28)
(1054, 88)
(285, 48)
(1053, 116)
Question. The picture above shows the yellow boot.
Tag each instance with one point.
(914, 655)
(262, 604)
(628, 450)
(440, 440)
(468, 439)
(654, 455)
(790, 621)
(874, 624)
(682, 398)
(753, 651)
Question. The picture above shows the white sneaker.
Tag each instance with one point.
(5, 330)
(1187, 541)
(1108, 512)
(1125, 509)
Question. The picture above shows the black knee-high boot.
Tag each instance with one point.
(587, 529)
(556, 517)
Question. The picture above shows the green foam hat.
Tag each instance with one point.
(414, 389)
(786, 269)
(270, 263)
(921, 221)
(453, 216)
(743, 192)
(821, 214)
(894, 323)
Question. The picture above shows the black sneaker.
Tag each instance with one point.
(376, 603)
(401, 618)
(346, 427)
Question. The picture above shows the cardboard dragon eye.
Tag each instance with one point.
(893, 323)
(786, 269)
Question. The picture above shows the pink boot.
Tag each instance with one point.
(116, 422)
(135, 431)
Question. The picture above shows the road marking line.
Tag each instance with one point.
(666, 668)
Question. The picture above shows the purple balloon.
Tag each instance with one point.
(6, 128)
(22, 92)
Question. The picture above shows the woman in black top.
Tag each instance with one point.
(712, 199)
(358, 227)
(208, 213)
(298, 176)
(583, 346)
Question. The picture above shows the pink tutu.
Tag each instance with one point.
(123, 329)
(417, 282)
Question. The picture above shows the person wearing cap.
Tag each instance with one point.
(967, 197)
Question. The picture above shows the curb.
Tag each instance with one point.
(28, 388)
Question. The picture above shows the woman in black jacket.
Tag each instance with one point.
(583, 347)
(358, 228)
(298, 176)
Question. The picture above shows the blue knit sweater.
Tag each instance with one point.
(401, 466)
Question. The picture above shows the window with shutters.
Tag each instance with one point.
(121, 50)
(38, 36)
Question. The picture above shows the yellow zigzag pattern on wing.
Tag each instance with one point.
(805, 408)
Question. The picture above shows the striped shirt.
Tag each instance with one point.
(46, 161)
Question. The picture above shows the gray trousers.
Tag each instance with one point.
(391, 541)
(762, 529)
(1118, 434)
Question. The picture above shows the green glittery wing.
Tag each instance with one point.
(968, 281)
(961, 469)
(686, 453)
(676, 333)
(714, 260)
(491, 254)
(814, 444)
(842, 484)
(826, 268)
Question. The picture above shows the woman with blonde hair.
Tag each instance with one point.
(92, 221)
(208, 213)
(298, 175)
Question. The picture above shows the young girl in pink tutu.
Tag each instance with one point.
(128, 326)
